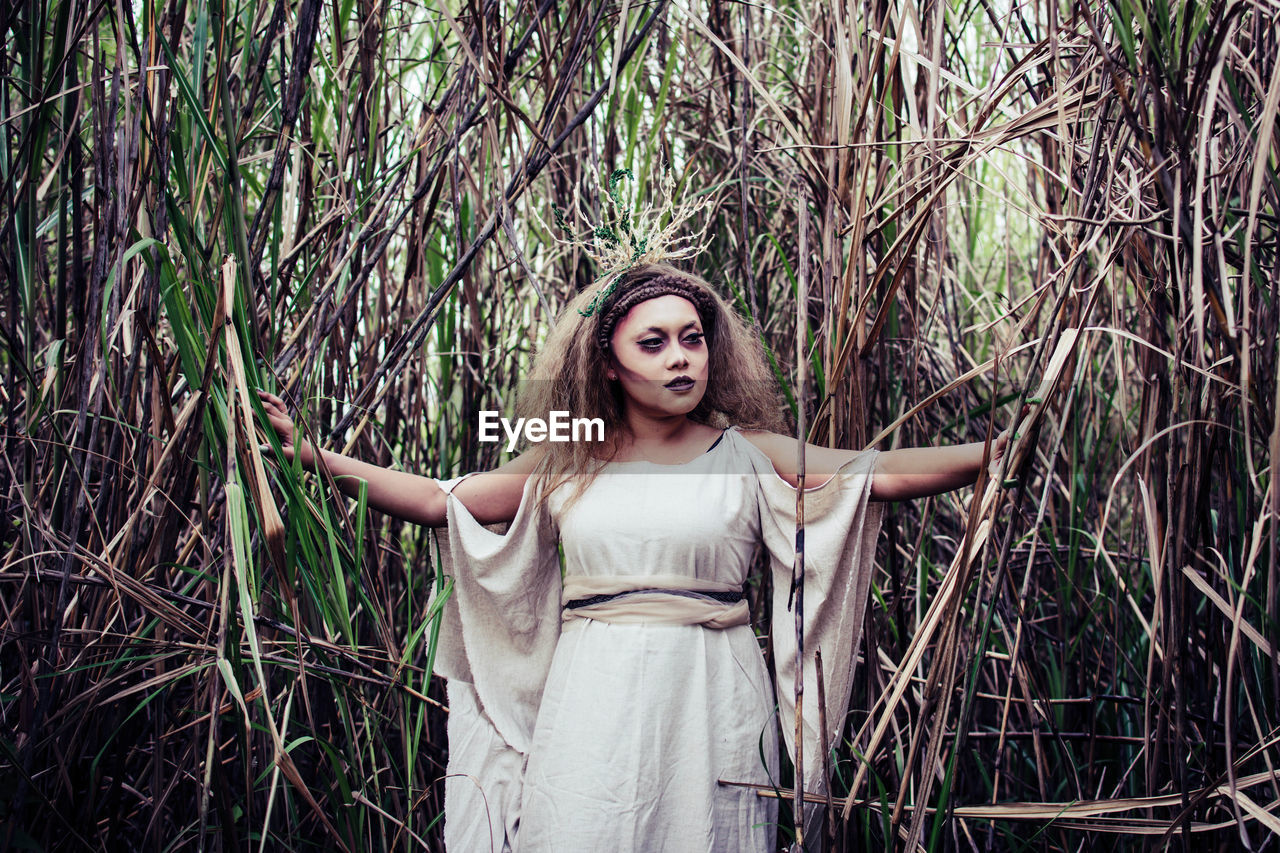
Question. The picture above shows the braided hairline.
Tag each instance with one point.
(664, 285)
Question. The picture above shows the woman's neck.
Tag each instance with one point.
(663, 439)
(648, 430)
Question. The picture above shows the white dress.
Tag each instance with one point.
(613, 729)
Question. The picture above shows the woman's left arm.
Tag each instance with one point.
(917, 472)
(900, 475)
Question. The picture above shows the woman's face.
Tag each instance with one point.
(659, 357)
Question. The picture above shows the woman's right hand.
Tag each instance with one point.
(278, 414)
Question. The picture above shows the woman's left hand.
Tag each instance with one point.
(998, 448)
(1001, 444)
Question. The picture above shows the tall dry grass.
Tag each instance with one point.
(1067, 205)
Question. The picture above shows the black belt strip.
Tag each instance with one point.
(732, 597)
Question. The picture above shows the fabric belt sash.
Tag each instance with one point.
(654, 599)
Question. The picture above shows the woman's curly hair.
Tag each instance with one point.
(569, 374)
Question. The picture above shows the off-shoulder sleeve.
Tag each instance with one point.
(841, 526)
(498, 634)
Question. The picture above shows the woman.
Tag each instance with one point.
(601, 712)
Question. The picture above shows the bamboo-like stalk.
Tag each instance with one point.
(797, 569)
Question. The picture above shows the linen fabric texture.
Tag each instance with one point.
(581, 730)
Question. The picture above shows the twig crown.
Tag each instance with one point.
(639, 235)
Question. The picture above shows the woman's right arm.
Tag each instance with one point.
(490, 497)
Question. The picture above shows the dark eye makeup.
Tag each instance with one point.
(655, 343)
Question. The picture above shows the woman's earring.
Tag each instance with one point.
(613, 377)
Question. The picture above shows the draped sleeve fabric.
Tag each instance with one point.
(498, 634)
(841, 526)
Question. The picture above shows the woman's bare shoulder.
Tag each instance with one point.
(820, 462)
(771, 444)
(780, 450)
